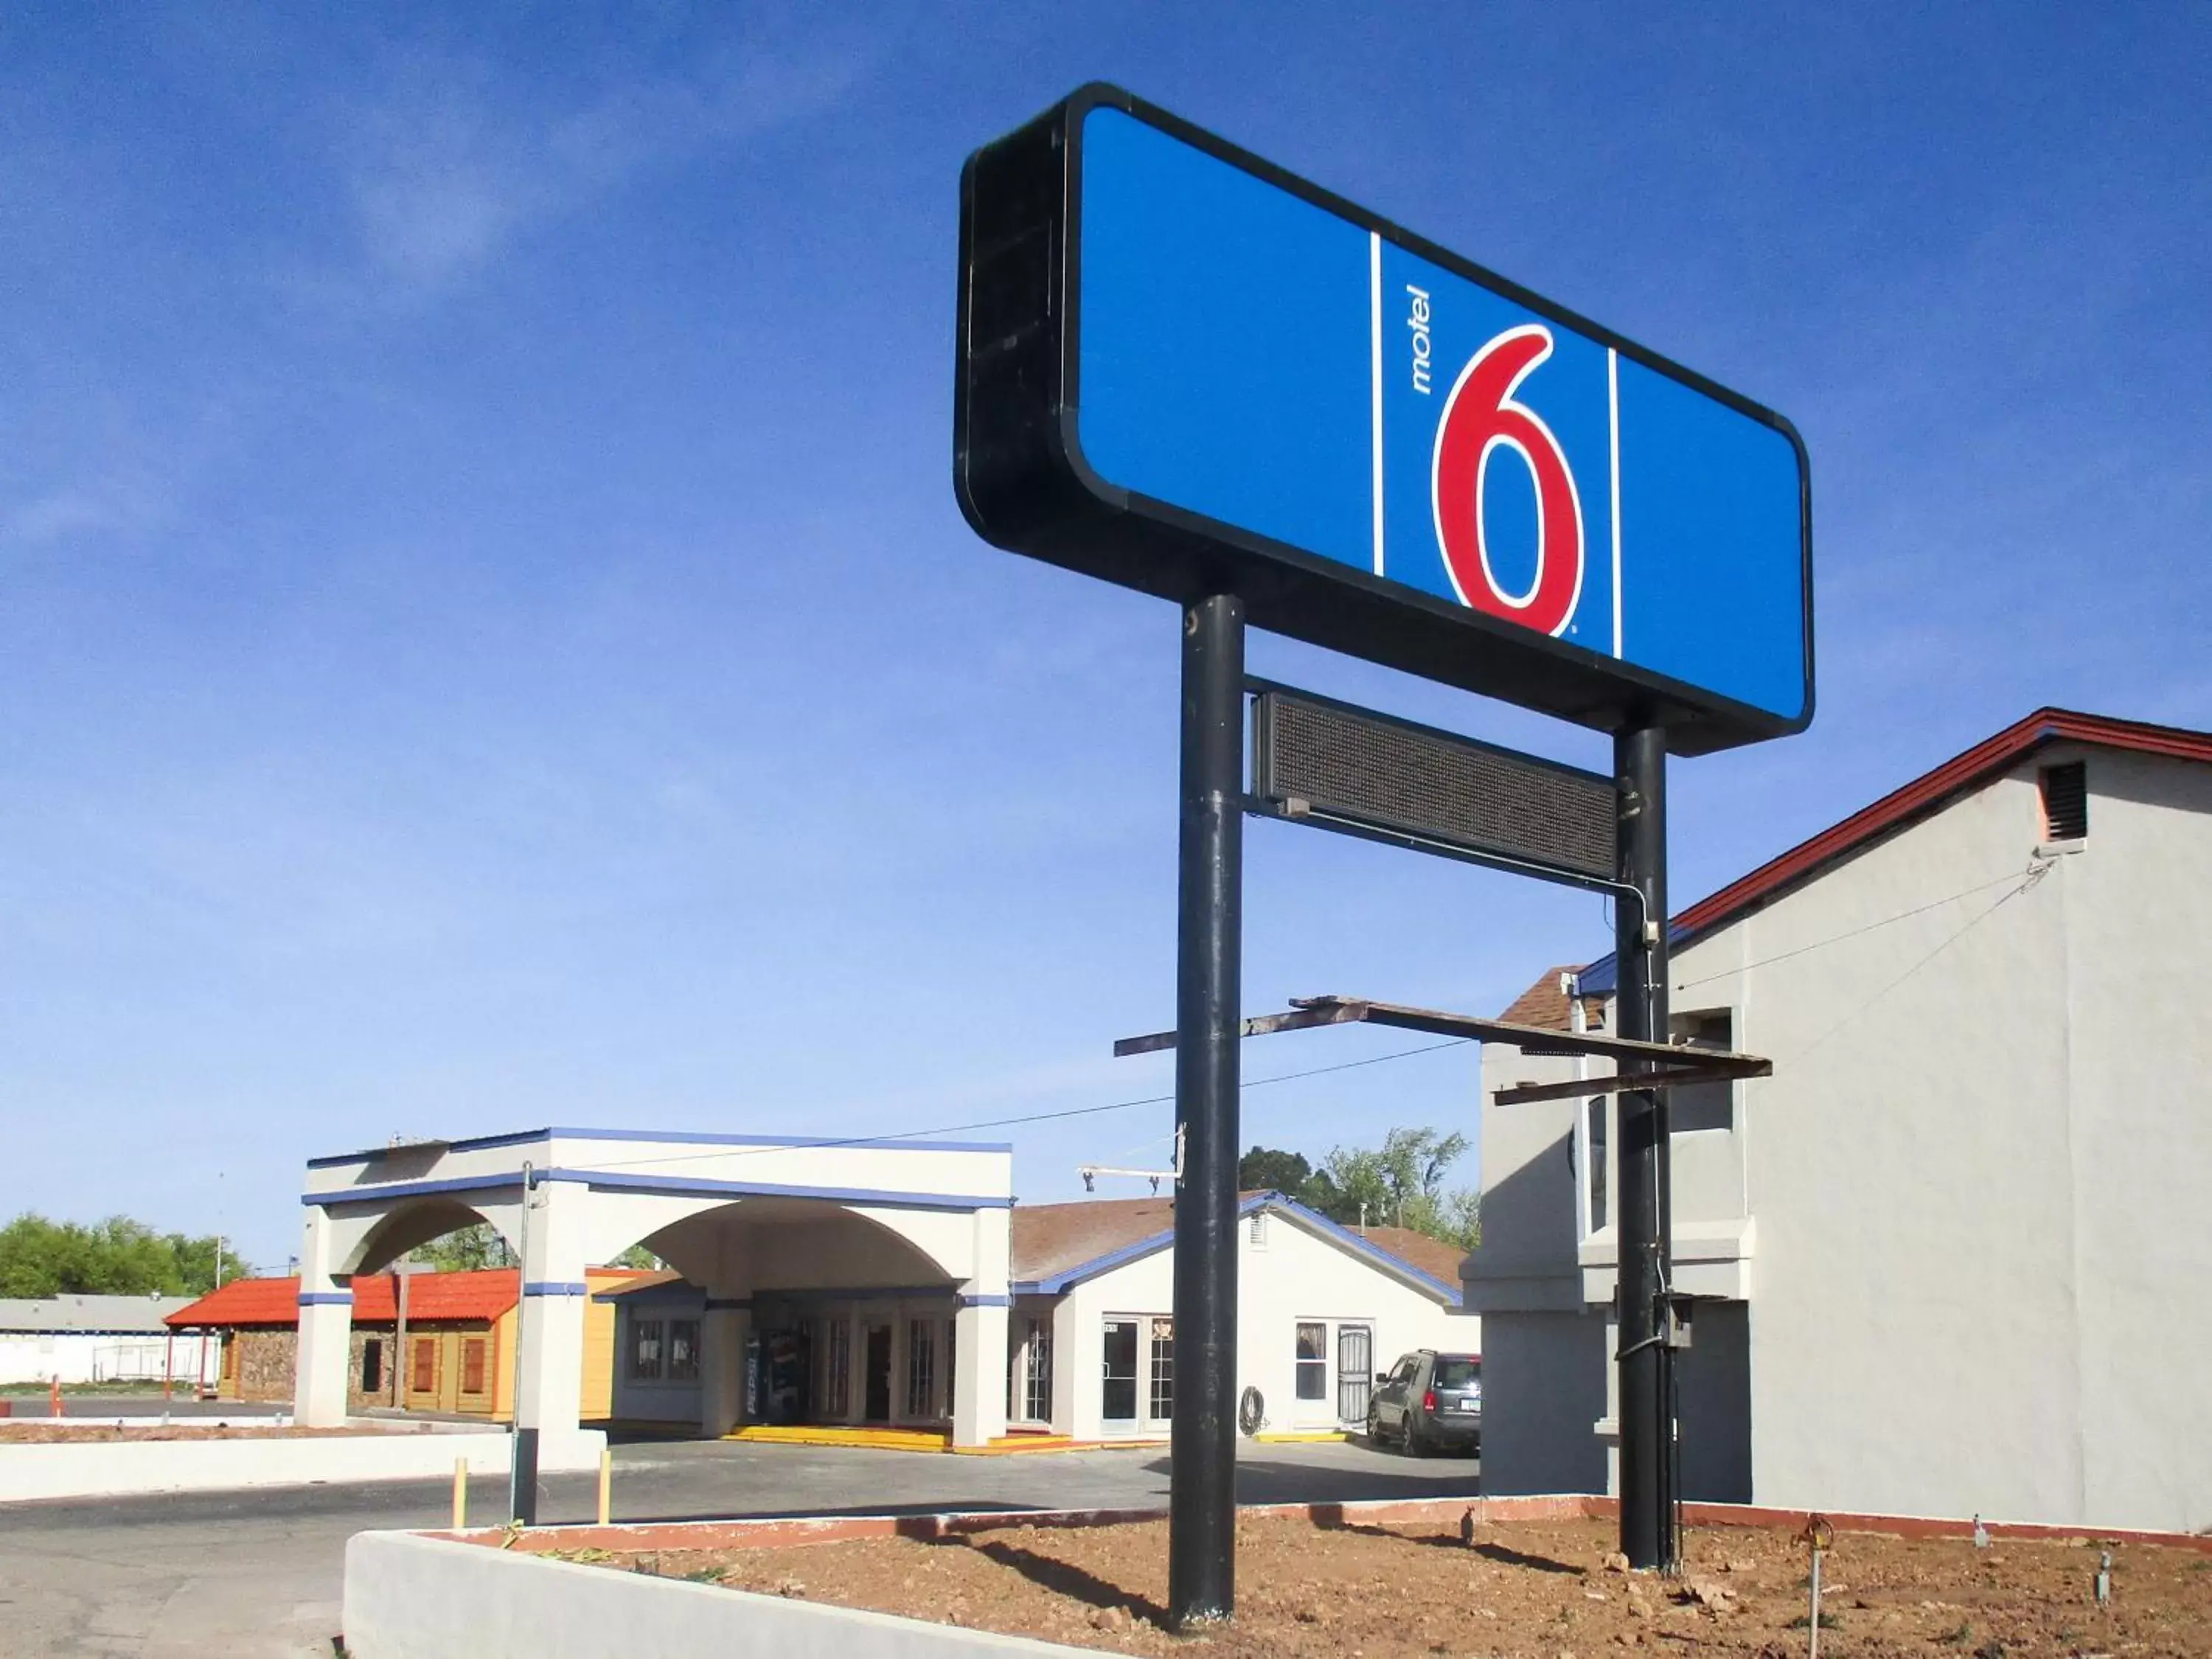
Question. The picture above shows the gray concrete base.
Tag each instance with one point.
(411, 1597)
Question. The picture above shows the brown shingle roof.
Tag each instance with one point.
(1545, 1003)
(1431, 1255)
(1051, 1238)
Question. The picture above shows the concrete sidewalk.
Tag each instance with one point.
(259, 1574)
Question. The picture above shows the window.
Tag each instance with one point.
(683, 1351)
(472, 1365)
(1702, 1105)
(1457, 1374)
(1601, 1162)
(837, 1364)
(371, 1366)
(1036, 1373)
(1160, 1403)
(1259, 1229)
(645, 1338)
(1313, 1362)
(425, 1379)
(2065, 791)
(921, 1368)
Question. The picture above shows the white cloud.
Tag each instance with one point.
(445, 171)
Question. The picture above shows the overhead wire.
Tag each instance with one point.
(1011, 1122)
(1837, 938)
(2037, 870)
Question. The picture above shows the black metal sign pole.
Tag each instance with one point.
(1209, 949)
(1647, 1530)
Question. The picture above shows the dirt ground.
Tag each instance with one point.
(1539, 1588)
(59, 1431)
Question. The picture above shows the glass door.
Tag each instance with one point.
(1118, 1397)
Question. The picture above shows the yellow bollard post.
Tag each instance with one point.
(460, 1494)
(606, 1483)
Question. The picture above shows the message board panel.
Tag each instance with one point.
(1186, 371)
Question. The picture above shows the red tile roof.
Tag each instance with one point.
(482, 1295)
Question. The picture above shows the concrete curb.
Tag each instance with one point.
(777, 1531)
(430, 1596)
(409, 1596)
(117, 1468)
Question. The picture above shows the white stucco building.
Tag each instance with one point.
(1953, 1247)
(752, 1220)
(1088, 1352)
(880, 1282)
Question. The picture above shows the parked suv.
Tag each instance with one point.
(1429, 1401)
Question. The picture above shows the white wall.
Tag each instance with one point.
(120, 1467)
(1966, 1204)
(1293, 1276)
(94, 1356)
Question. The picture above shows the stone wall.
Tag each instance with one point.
(265, 1364)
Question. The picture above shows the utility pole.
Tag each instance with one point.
(1645, 1270)
(1202, 1490)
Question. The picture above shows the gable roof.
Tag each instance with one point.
(484, 1294)
(1921, 798)
(1060, 1245)
(1545, 1003)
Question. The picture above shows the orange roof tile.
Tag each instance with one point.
(486, 1294)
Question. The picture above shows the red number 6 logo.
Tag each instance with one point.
(1479, 417)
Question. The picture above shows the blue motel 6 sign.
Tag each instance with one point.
(1184, 370)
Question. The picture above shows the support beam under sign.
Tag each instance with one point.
(1674, 1064)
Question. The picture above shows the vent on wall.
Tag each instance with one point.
(2065, 791)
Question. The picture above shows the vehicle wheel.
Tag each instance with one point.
(1374, 1428)
(1417, 1444)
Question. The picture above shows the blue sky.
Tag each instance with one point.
(486, 638)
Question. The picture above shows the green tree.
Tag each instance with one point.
(1265, 1169)
(638, 1256)
(115, 1257)
(466, 1250)
(1400, 1184)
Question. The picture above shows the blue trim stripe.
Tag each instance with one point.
(556, 1287)
(379, 1193)
(673, 1137)
(668, 1186)
(683, 1186)
(857, 1293)
(326, 1298)
(686, 1137)
(1058, 1284)
(985, 1301)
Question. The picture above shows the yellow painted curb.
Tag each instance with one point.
(920, 1440)
(1309, 1437)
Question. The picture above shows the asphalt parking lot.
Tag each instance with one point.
(258, 1574)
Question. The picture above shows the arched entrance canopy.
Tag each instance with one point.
(736, 1214)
